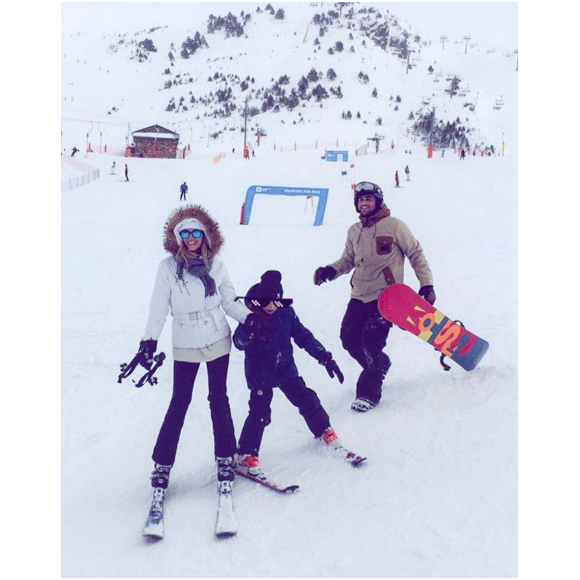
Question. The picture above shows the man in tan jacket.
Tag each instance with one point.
(375, 248)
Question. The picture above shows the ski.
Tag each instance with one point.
(267, 482)
(226, 524)
(349, 456)
(154, 526)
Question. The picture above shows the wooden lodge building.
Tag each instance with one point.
(154, 141)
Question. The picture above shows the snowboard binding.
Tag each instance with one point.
(128, 368)
(445, 366)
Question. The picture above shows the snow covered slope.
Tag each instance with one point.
(438, 496)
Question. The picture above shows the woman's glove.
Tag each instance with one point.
(147, 349)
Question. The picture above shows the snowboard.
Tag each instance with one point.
(402, 306)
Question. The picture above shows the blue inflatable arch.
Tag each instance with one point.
(320, 193)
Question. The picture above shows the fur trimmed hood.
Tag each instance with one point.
(210, 227)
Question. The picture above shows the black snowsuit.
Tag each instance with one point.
(269, 363)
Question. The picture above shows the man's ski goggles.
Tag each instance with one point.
(263, 302)
(184, 234)
(365, 186)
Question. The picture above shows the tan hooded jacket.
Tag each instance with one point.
(376, 247)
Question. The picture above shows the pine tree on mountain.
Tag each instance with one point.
(342, 5)
(337, 92)
(292, 100)
(312, 75)
(363, 77)
(453, 86)
(268, 103)
(147, 45)
(319, 92)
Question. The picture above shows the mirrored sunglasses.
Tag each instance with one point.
(184, 234)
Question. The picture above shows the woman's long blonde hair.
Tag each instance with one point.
(206, 253)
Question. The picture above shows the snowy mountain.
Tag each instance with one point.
(354, 66)
(438, 495)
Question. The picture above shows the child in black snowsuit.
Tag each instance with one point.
(265, 337)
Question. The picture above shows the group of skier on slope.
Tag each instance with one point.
(194, 285)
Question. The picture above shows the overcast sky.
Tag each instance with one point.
(490, 23)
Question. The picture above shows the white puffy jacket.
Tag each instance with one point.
(197, 321)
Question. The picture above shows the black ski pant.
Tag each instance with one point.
(364, 333)
(260, 415)
(184, 374)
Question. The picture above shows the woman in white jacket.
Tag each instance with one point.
(193, 284)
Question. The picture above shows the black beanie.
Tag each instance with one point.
(270, 286)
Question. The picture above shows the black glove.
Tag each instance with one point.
(332, 369)
(428, 293)
(324, 274)
(147, 349)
